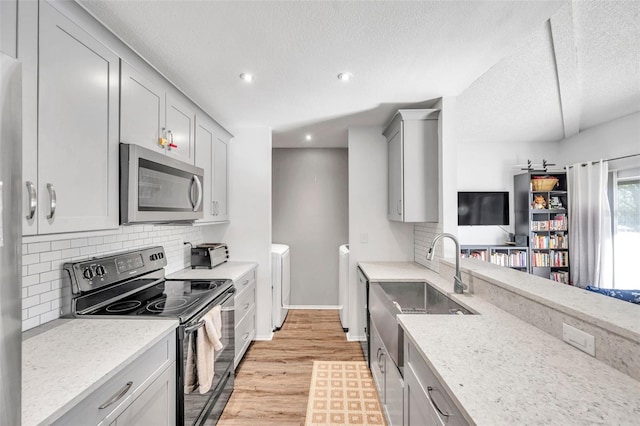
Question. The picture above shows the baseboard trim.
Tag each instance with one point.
(326, 307)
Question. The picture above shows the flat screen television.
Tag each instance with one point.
(483, 208)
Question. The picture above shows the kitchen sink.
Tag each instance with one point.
(420, 298)
(387, 300)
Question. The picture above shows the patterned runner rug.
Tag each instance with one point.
(343, 393)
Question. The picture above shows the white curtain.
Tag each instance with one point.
(590, 239)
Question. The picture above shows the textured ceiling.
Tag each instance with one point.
(401, 53)
(597, 44)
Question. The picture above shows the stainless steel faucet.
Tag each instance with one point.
(458, 286)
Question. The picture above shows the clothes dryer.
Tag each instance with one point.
(280, 283)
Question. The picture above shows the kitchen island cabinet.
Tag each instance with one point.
(75, 112)
(495, 368)
(71, 368)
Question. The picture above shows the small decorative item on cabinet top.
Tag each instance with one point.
(543, 183)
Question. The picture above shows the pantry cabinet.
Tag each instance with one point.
(412, 148)
(71, 162)
(212, 156)
(155, 115)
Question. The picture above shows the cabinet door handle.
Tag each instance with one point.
(116, 396)
(196, 181)
(215, 210)
(246, 306)
(399, 207)
(33, 200)
(53, 198)
(245, 336)
(429, 389)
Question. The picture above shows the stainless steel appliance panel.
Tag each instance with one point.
(10, 240)
(158, 189)
(200, 409)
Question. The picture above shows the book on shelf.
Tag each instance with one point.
(558, 223)
(558, 241)
(560, 276)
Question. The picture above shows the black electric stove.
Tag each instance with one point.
(133, 284)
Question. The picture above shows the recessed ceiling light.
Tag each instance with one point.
(345, 76)
(245, 76)
(307, 137)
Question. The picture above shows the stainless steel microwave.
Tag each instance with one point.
(158, 189)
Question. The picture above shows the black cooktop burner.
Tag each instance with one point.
(173, 304)
(170, 298)
(121, 307)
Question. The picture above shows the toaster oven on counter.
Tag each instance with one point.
(209, 255)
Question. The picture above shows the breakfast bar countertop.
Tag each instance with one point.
(500, 370)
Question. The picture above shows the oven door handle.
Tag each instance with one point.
(191, 328)
(230, 293)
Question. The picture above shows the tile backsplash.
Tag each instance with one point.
(45, 292)
(423, 235)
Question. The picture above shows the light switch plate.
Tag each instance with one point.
(364, 238)
(579, 339)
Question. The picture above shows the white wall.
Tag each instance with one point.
(616, 138)
(490, 166)
(448, 195)
(372, 237)
(249, 231)
(311, 215)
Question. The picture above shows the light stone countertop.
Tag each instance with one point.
(228, 271)
(72, 358)
(605, 312)
(503, 371)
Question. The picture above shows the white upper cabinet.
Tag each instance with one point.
(8, 27)
(74, 184)
(155, 115)
(211, 155)
(412, 147)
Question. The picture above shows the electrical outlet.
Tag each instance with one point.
(579, 339)
(364, 238)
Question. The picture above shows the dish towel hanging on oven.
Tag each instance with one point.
(201, 353)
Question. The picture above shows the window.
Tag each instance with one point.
(626, 228)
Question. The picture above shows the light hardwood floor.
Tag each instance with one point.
(272, 382)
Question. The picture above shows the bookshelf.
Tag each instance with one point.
(509, 256)
(541, 213)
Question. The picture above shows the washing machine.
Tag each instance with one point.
(343, 285)
(280, 283)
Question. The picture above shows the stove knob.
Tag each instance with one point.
(153, 257)
(100, 271)
(87, 273)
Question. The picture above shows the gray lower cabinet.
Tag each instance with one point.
(212, 155)
(387, 378)
(426, 401)
(143, 393)
(71, 163)
(245, 315)
(156, 406)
